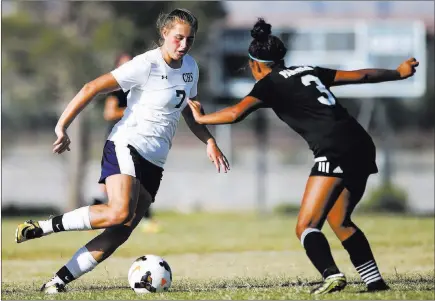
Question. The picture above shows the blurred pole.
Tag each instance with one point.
(366, 112)
(261, 162)
(386, 136)
(76, 164)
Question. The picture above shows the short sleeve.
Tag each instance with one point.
(326, 76)
(262, 89)
(194, 89)
(132, 73)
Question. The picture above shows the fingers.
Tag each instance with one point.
(61, 145)
(223, 164)
(194, 103)
(220, 161)
(227, 164)
(216, 163)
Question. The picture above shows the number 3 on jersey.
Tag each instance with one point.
(181, 93)
(307, 79)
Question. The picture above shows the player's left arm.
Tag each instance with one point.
(199, 130)
(368, 76)
(232, 114)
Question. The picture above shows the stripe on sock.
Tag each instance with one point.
(374, 279)
(364, 265)
(306, 232)
(369, 272)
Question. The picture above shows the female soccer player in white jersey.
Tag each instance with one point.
(160, 81)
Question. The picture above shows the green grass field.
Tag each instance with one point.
(225, 256)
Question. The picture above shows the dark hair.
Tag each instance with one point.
(120, 56)
(178, 14)
(266, 46)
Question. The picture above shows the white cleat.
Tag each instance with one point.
(53, 287)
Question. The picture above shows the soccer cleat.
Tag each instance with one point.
(332, 283)
(377, 286)
(28, 230)
(53, 287)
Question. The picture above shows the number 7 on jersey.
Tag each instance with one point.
(181, 93)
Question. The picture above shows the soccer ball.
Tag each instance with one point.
(150, 274)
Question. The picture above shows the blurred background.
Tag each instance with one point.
(50, 49)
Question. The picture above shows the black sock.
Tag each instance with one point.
(362, 257)
(319, 252)
(65, 275)
(57, 223)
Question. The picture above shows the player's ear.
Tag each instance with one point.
(257, 67)
(164, 33)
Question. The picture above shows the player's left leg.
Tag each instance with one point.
(320, 194)
(98, 249)
(352, 238)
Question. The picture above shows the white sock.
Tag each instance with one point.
(81, 263)
(77, 220)
(56, 279)
(46, 226)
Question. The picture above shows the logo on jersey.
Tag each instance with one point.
(188, 77)
(164, 77)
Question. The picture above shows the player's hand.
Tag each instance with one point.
(62, 143)
(407, 68)
(215, 155)
(195, 106)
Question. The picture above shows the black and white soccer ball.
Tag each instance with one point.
(150, 274)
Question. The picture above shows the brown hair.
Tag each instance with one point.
(178, 14)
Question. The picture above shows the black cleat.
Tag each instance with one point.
(377, 286)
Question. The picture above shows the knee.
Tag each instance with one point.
(303, 225)
(118, 216)
(338, 224)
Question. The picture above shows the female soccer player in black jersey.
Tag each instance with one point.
(344, 152)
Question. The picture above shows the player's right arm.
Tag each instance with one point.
(126, 76)
(367, 76)
(103, 84)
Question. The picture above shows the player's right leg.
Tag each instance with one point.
(118, 172)
(98, 249)
(320, 195)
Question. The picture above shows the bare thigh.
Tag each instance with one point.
(122, 192)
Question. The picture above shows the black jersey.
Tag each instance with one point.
(300, 97)
(121, 96)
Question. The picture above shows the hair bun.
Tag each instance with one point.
(261, 30)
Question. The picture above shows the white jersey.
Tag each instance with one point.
(158, 94)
